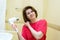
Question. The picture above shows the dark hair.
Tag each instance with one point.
(24, 13)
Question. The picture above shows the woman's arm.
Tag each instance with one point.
(14, 26)
(37, 35)
(20, 37)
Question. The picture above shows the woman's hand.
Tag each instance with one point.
(15, 27)
(11, 21)
(27, 23)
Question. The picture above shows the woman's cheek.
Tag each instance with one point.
(28, 16)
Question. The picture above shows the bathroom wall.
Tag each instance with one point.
(52, 14)
(14, 9)
(53, 34)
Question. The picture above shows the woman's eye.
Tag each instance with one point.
(28, 13)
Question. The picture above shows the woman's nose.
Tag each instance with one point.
(30, 12)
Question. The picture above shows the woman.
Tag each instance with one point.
(33, 29)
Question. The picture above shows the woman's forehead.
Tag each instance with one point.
(28, 10)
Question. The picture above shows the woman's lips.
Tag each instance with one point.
(31, 15)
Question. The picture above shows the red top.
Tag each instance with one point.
(40, 25)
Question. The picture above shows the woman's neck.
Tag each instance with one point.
(33, 20)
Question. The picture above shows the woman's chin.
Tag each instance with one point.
(32, 18)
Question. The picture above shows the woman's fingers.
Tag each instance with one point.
(27, 24)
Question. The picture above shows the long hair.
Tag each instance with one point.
(24, 13)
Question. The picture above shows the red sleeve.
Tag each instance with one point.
(24, 32)
(43, 27)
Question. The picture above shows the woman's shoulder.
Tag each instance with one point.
(24, 26)
(42, 20)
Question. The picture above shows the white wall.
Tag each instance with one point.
(2, 14)
(52, 15)
(53, 12)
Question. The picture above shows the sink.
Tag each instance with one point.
(5, 36)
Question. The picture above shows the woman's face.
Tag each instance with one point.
(30, 14)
